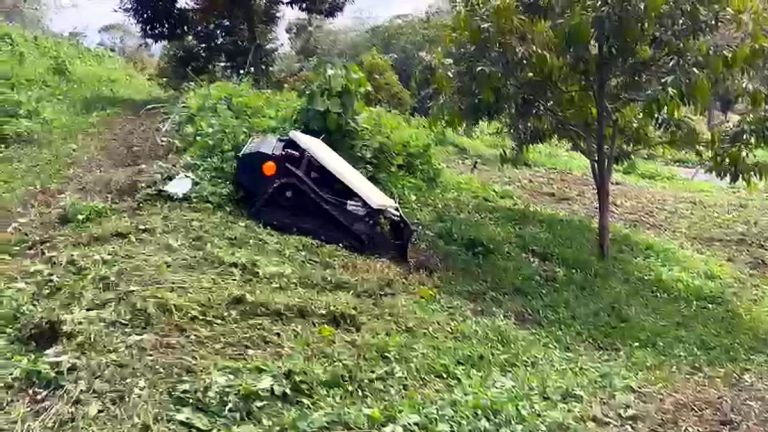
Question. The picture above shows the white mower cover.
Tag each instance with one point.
(345, 172)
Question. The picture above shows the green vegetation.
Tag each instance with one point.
(214, 123)
(334, 99)
(221, 323)
(156, 315)
(204, 320)
(614, 79)
(216, 120)
(386, 90)
(56, 89)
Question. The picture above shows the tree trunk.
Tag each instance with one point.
(604, 216)
(711, 116)
(602, 167)
(248, 10)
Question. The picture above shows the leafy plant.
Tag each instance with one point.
(334, 98)
(217, 120)
(234, 36)
(80, 212)
(395, 150)
(386, 90)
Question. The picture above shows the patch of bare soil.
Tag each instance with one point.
(124, 161)
(710, 407)
(128, 155)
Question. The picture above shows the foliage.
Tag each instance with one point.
(118, 38)
(55, 88)
(234, 36)
(216, 121)
(485, 141)
(603, 75)
(395, 150)
(183, 316)
(180, 63)
(122, 39)
(80, 213)
(28, 14)
(199, 319)
(334, 98)
(413, 42)
(386, 90)
(314, 39)
(736, 149)
(648, 171)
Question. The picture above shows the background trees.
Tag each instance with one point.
(608, 76)
(25, 13)
(612, 77)
(119, 37)
(235, 36)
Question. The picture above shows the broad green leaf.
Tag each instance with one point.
(579, 32)
(318, 102)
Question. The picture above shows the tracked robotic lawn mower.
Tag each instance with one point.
(300, 185)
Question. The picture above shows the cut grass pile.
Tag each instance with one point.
(56, 89)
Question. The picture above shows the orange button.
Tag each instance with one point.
(269, 168)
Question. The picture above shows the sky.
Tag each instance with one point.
(88, 15)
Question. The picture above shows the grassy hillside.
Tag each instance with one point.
(54, 90)
(188, 316)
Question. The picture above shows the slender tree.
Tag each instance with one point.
(607, 75)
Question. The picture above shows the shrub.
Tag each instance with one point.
(217, 120)
(386, 89)
(390, 148)
(334, 98)
(78, 212)
(395, 150)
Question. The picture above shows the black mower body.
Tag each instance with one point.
(282, 185)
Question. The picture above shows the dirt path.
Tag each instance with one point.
(128, 156)
(125, 161)
(697, 406)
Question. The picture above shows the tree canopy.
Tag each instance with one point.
(607, 75)
(237, 36)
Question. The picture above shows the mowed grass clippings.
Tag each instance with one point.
(186, 317)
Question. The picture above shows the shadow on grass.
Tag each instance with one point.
(650, 300)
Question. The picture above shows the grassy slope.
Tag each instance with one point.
(186, 316)
(181, 316)
(57, 89)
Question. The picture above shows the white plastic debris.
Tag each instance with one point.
(179, 187)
